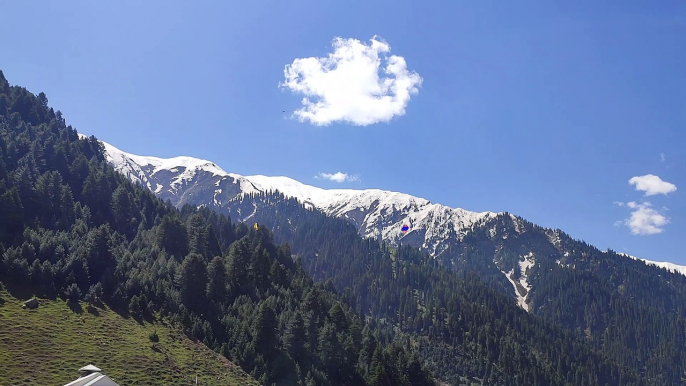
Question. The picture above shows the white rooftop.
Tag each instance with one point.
(96, 378)
(89, 368)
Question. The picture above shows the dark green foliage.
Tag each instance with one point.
(71, 225)
(464, 330)
(631, 312)
(73, 292)
(294, 338)
(265, 330)
(193, 281)
(172, 236)
(217, 280)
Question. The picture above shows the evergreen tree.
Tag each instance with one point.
(379, 374)
(122, 210)
(172, 236)
(197, 236)
(265, 329)
(294, 338)
(338, 318)
(217, 280)
(193, 280)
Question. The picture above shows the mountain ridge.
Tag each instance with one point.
(376, 213)
(352, 205)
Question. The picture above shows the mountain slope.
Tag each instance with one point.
(375, 213)
(459, 323)
(47, 345)
(606, 300)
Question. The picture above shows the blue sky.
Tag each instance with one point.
(540, 109)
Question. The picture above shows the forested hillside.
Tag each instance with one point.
(464, 329)
(631, 311)
(74, 227)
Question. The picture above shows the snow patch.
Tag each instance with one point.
(674, 268)
(565, 265)
(214, 197)
(554, 238)
(254, 210)
(516, 222)
(522, 290)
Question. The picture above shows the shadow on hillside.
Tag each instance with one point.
(75, 307)
(19, 292)
(25, 292)
(2, 301)
(92, 310)
(142, 319)
(190, 336)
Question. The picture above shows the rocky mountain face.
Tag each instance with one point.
(375, 213)
(503, 249)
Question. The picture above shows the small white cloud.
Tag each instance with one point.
(618, 203)
(645, 220)
(345, 86)
(652, 185)
(663, 158)
(337, 177)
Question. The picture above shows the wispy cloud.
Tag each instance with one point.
(345, 86)
(652, 185)
(618, 203)
(337, 177)
(645, 220)
(663, 158)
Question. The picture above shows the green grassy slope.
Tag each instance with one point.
(47, 346)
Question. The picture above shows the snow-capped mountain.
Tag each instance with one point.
(376, 213)
(504, 249)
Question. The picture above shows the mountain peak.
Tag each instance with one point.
(375, 212)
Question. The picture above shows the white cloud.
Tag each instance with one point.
(618, 203)
(645, 220)
(663, 158)
(652, 185)
(345, 86)
(337, 177)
